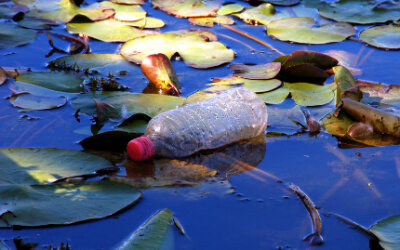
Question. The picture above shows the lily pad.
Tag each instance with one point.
(383, 37)
(304, 94)
(387, 231)
(58, 81)
(230, 9)
(128, 1)
(359, 11)
(10, 10)
(256, 72)
(191, 46)
(36, 24)
(189, 8)
(124, 12)
(300, 30)
(344, 81)
(28, 201)
(283, 2)
(65, 10)
(109, 30)
(124, 104)
(32, 102)
(257, 86)
(209, 21)
(151, 234)
(379, 93)
(11, 35)
(262, 14)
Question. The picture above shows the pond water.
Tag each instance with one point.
(247, 210)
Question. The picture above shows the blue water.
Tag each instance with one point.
(245, 211)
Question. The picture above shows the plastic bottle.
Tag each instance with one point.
(233, 115)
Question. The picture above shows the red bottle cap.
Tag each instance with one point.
(140, 149)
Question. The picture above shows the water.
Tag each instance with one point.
(359, 183)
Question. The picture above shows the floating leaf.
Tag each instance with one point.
(146, 23)
(359, 11)
(283, 2)
(230, 9)
(264, 13)
(36, 24)
(379, 93)
(387, 231)
(151, 234)
(300, 30)
(309, 57)
(257, 72)
(124, 12)
(128, 1)
(207, 93)
(11, 35)
(304, 94)
(188, 8)
(58, 81)
(257, 86)
(344, 81)
(33, 102)
(126, 104)
(209, 21)
(10, 10)
(109, 30)
(65, 10)
(3, 76)
(190, 45)
(27, 201)
(384, 37)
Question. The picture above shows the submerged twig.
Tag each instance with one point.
(71, 38)
(238, 41)
(253, 38)
(315, 237)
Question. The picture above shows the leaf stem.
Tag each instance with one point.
(253, 38)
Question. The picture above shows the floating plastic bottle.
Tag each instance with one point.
(231, 116)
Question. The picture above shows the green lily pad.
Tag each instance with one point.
(109, 30)
(146, 23)
(256, 72)
(11, 35)
(189, 8)
(10, 10)
(230, 9)
(32, 102)
(387, 231)
(112, 62)
(65, 10)
(123, 104)
(383, 37)
(207, 93)
(28, 201)
(190, 45)
(209, 21)
(304, 94)
(344, 81)
(58, 81)
(264, 13)
(283, 2)
(124, 12)
(151, 234)
(299, 30)
(359, 11)
(128, 1)
(36, 24)
(257, 86)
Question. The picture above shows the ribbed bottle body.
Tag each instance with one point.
(234, 115)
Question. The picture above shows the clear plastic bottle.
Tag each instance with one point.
(233, 115)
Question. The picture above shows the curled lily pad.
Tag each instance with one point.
(190, 45)
(3, 76)
(58, 81)
(11, 35)
(189, 8)
(297, 29)
(387, 232)
(209, 21)
(304, 94)
(384, 37)
(109, 30)
(344, 81)
(65, 10)
(359, 11)
(257, 72)
(230, 9)
(29, 201)
(33, 102)
(123, 104)
(151, 234)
